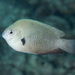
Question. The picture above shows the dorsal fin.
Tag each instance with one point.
(58, 32)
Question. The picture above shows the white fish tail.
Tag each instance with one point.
(67, 45)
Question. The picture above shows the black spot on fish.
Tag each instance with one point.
(23, 41)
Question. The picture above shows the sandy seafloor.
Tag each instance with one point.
(57, 13)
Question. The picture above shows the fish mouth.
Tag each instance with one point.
(3, 35)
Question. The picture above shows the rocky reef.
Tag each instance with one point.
(57, 13)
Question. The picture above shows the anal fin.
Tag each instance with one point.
(56, 51)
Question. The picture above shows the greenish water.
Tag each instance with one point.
(57, 13)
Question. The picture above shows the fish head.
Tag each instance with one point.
(13, 36)
(8, 33)
(11, 32)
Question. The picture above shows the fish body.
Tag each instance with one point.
(31, 36)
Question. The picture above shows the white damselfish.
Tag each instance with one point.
(31, 36)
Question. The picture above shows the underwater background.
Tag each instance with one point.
(57, 13)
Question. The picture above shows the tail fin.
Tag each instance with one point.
(67, 45)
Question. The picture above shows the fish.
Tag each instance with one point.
(31, 36)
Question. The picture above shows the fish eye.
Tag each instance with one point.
(11, 32)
